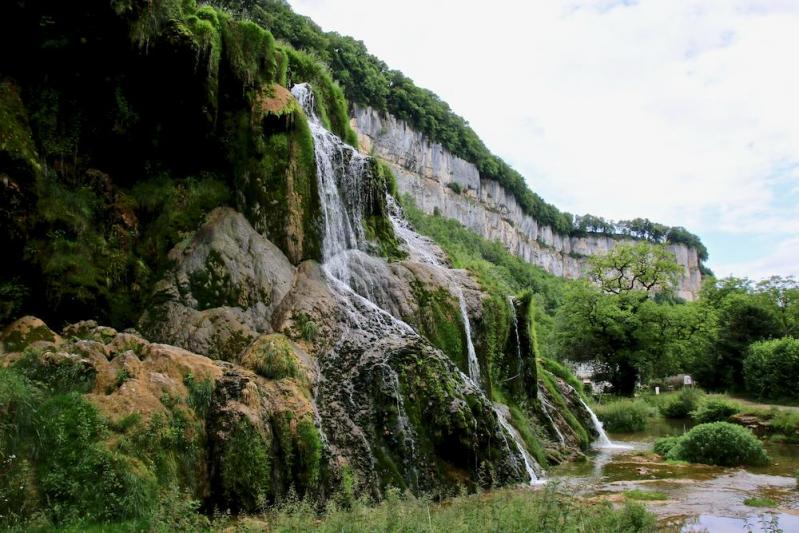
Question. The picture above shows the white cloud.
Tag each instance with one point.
(784, 261)
(681, 111)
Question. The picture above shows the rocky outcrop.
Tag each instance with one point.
(221, 294)
(440, 182)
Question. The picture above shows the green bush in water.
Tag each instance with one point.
(717, 443)
(715, 410)
(665, 445)
(681, 404)
(625, 416)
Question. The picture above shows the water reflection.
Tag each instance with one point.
(763, 522)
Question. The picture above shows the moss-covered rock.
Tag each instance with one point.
(24, 332)
(275, 170)
(274, 357)
(223, 290)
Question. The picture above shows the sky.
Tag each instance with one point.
(685, 112)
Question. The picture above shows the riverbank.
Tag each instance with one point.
(691, 497)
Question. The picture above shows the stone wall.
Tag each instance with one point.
(424, 170)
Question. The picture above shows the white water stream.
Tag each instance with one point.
(340, 173)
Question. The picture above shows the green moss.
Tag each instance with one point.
(439, 320)
(17, 340)
(522, 424)
(273, 357)
(380, 230)
(309, 454)
(388, 177)
(645, 495)
(250, 52)
(200, 394)
(552, 389)
(560, 370)
(760, 502)
(331, 106)
(18, 157)
(244, 468)
(57, 373)
(275, 168)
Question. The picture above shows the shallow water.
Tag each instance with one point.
(698, 497)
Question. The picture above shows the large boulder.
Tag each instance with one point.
(223, 290)
(24, 332)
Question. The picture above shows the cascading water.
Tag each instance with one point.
(420, 250)
(515, 321)
(503, 414)
(546, 407)
(603, 441)
(340, 173)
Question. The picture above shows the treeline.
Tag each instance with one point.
(367, 80)
(639, 228)
(739, 336)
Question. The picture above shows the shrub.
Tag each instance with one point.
(625, 416)
(455, 187)
(681, 404)
(717, 443)
(785, 423)
(665, 445)
(200, 394)
(306, 326)
(272, 357)
(771, 370)
(715, 410)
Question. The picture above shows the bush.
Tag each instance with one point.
(785, 423)
(665, 445)
(681, 404)
(771, 370)
(717, 443)
(715, 410)
(625, 416)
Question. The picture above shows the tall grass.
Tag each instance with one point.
(500, 510)
(625, 415)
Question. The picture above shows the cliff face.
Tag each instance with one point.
(427, 172)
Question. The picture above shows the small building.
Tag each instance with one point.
(678, 382)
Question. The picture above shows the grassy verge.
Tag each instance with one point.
(501, 510)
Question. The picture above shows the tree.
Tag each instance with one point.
(635, 266)
(742, 313)
(628, 336)
(783, 294)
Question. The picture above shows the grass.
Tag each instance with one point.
(624, 415)
(760, 502)
(500, 510)
(645, 495)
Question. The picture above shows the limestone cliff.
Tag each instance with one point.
(440, 182)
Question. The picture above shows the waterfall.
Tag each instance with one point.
(515, 321)
(419, 249)
(341, 173)
(503, 414)
(474, 367)
(603, 441)
(545, 408)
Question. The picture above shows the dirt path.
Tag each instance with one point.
(750, 403)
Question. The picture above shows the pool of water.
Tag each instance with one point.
(697, 497)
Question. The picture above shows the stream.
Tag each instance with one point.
(698, 497)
